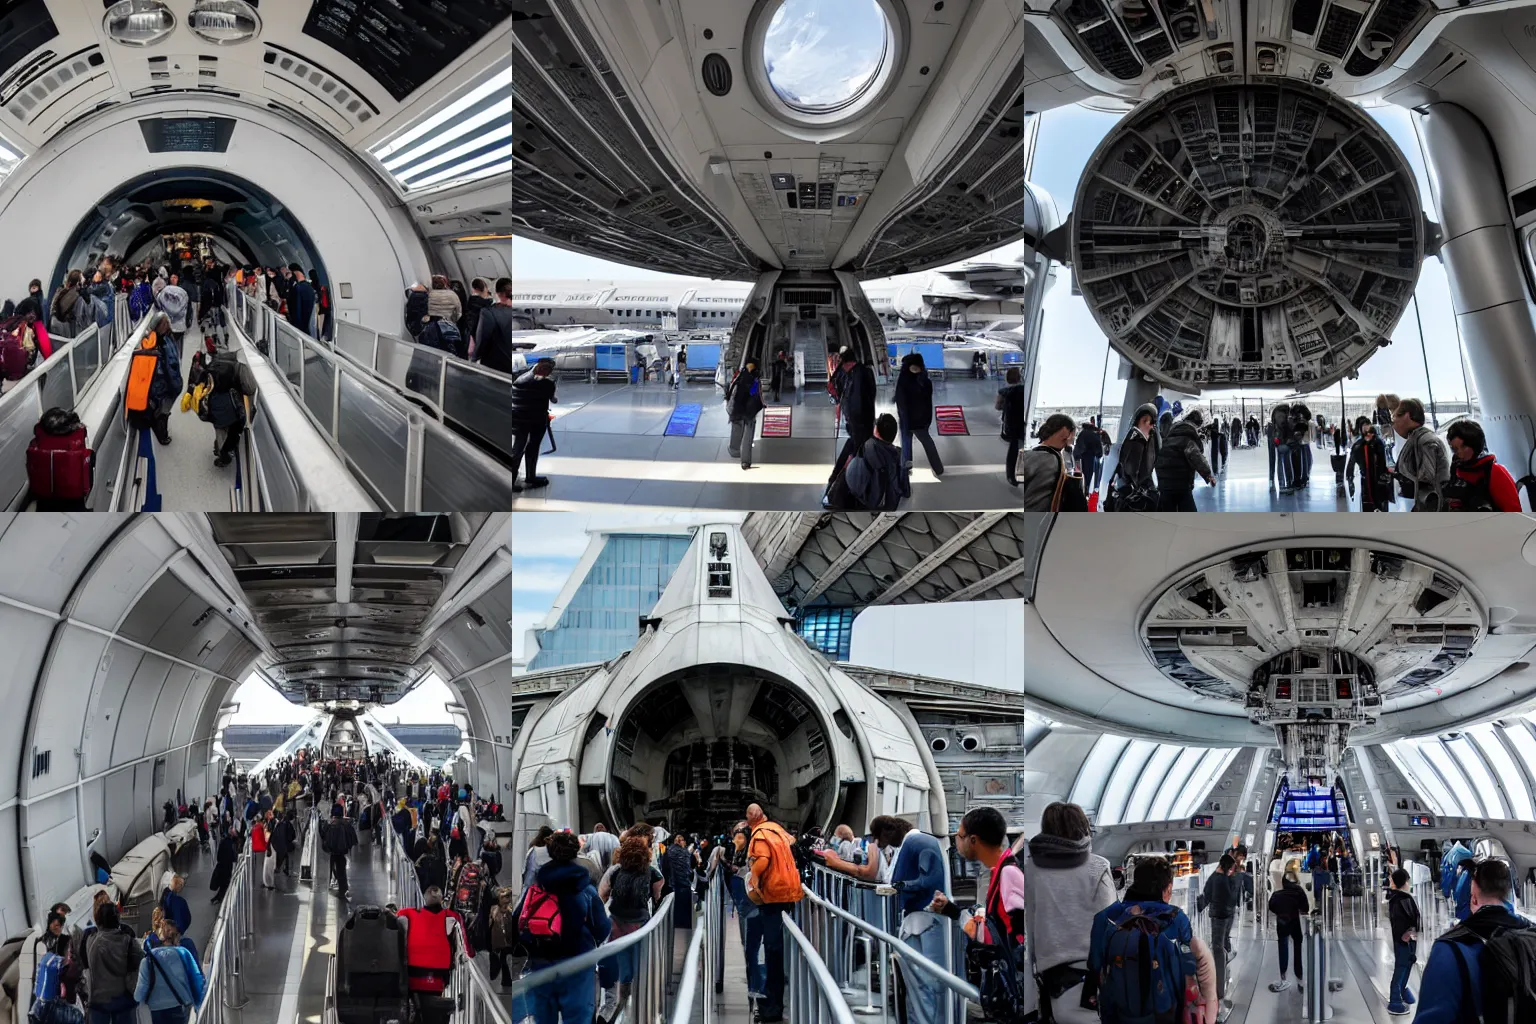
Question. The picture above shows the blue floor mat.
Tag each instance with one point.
(684, 421)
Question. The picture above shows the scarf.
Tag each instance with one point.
(1054, 852)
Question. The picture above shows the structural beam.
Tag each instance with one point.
(983, 522)
(881, 525)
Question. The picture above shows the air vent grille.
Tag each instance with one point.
(321, 83)
(805, 297)
(717, 74)
(61, 75)
(1339, 29)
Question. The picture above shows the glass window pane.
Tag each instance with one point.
(1150, 781)
(1127, 771)
(1467, 802)
(1201, 780)
(1482, 781)
(1094, 773)
(1507, 772)
(1521, 738)
(1406, 757)
(1173, 785)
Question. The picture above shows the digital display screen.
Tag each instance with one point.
(1202, 821)
(187, 134)
(24, 26)
(1421, 821)
(1310, 809)
(402, 44)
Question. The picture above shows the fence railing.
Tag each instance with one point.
(405, 457)
(704, 966)
(404, 887)
(813, 995)
(224, 960)
(644, 958)
(307, 866)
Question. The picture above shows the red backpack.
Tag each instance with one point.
(540, 926)
(14, 357)
(59, 464)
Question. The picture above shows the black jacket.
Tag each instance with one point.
(1403, 912)
(531, 397)
(1180, 458)
(914, 394)
(1138, 458)
(858, 398)
(885, 461)
(301, 304)
(1012, 406)
(1223, 893)
(1090, 443)
(415, 310)
(744, 398)
(1289, 903)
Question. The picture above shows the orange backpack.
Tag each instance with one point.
(141, 374)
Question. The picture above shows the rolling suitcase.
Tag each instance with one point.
(372, 984)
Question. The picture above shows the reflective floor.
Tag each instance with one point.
(610, 448)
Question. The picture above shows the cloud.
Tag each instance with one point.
(543, 578)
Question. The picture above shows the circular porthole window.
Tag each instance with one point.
(823, 62)
(139, 22)
(224, 22)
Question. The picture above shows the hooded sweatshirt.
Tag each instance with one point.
(1068, 885)
(585, 921)
(914, 394)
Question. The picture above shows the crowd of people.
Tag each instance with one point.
(476, 325)
(1166, 451)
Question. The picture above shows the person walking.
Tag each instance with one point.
(1179, 461)
(585, 925)
(774, 885)
(914, 413)
(261, 848)
(1132, 485)
(532, 394)
(224, 863)
(110, 955)
(1070, 885)
(338, 839)
(1010, 403)
(1369, 455)
(1088, 451)
(1404, 921)
(778, 372)
(1288, 905)
(855, 392)
(1223, 897)
(743, 401)
(170, 982)
(632, 889)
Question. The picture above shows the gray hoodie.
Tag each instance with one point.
(1424, 461)
(173, 300)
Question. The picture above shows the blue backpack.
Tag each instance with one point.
(1140, 978)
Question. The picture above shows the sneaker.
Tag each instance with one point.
(1279, 986)
(1408, 999)
(1398, 1009)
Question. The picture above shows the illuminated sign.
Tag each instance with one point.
(1202, 821)
(1421, 821)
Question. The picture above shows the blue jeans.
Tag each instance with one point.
(750, 921)
(621, 966)
(1403, 956)
(923, 990)
(1306, 461)
(1320, 881)
(1280, 462)
(172, 1015)
(121, 1010)
(1092, 467)
(570, 1000)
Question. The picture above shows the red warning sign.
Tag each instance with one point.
(778, 421)
(951, 420)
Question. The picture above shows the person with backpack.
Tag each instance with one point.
(1141, 952)
(1010, 403)
(1180, 459)
(1478, 483)
(154, 380)
(61, 466)
(743, 401)
(416, 300)
(1048, 483)
(110, 955)
(170, 982)
(774, 886)
(632, 889)
(1480, 970)
(914, 413)
(560, 916)
(1404, 922)
(338, 839)
(1288, 905)
(69, 313)
(874, 478)
(174, 302)
(855, 395)
(995, 936)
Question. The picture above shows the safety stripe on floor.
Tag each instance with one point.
(951, 420)
(778, 421)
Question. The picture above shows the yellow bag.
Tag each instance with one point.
(193, 400)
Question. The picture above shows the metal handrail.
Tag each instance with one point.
(652, 945)
(224, 959)
(705, 962)
(404, 886)
(956, 984)
(311, 847)
(813, 995)
(475, 1001)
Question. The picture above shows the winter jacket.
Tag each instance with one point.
(444, 303)
(415, 310)
(1442, 999)
(1289, 902)
(1138, 455)
(102, 290)
(1476, 485)
(1090, 443)
(884, 460)
(1375, 480)
(1424, 461)
(111, 960)
(1039, 470)
(1181, 459)
(531, 398)
(914, 394)
(1067, 893)
(585, 920)
(473, 307)
(1223, 894)
(858, 399)
(69, 313)
(493, 338)
(301, 306)
(1403, 912)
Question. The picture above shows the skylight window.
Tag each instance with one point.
(10, 159)
(469, 139)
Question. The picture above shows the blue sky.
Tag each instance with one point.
(260, 704)
(1073, 351)
(807, 37)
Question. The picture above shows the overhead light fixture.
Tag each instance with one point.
(139, 22)
(224, 22)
